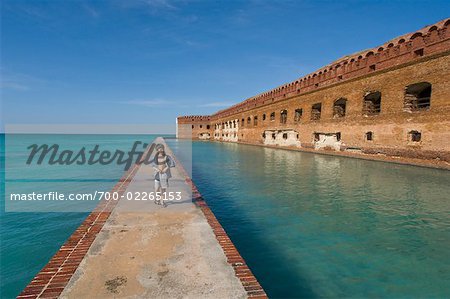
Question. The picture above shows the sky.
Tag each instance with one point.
(149, 61)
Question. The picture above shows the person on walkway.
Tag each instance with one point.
(161, 164)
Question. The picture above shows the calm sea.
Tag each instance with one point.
(29, 239)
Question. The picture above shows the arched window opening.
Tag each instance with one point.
(316, 137)
(249, 120)
(415, 35)
(298, 114)
(414, 136)
(316, 111)
(372, 103)
(272, 116)
(339, 108)
(283, 116)
(369, 136)
(285, 136)
(264, 117)
(417, 96)
(255, 121)
(419, 52)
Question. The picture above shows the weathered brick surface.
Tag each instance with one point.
(421, 56)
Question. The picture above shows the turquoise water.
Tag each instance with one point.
(29, 239)
(308, 225)
(313, 226)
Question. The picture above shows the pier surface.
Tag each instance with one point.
(147, 251)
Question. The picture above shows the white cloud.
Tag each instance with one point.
(22, 82)
(149, 103)
(90, 10)
(160, 4)
(153, 5)
(217, 104)
(12, 85)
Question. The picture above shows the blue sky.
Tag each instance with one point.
(148, 61)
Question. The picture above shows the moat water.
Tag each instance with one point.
(311, 225)
(308, 225)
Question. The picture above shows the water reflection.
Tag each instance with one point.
(321, 226)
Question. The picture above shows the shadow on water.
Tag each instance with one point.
(265, 264)
(272, 270)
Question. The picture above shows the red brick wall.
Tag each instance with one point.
(422, 56)
(193, 126)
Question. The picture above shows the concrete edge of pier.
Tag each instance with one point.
(59, 274)
(240, 267)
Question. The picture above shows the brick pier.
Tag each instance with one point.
(143, 250)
